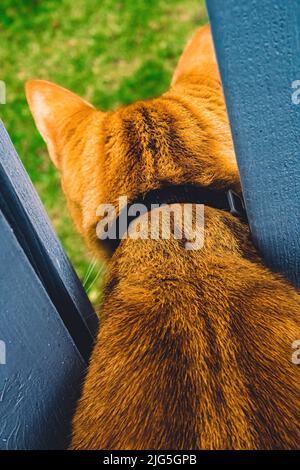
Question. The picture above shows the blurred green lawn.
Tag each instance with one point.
(111, 52)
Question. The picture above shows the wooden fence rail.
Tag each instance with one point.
(46, 321)
(258, 49)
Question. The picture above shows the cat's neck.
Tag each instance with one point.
(155, 267)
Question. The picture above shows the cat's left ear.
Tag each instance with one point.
(52, 107)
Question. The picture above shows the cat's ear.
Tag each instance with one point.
(198, 56)
(52, 106)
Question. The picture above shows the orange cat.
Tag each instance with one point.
(195, 346)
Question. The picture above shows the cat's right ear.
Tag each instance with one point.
(52, 108)
(198, 55)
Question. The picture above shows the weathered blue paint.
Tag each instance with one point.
(46, 321)
(258, 48)
(41, 380)
(22, 208)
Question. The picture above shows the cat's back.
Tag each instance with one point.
(182, 360)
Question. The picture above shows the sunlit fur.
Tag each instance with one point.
(194, 348)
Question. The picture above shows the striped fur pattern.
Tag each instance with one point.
(194, 349)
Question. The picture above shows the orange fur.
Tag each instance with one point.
(194, 349)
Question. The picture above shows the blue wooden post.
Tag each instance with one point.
(46, 321)
(258, 49)
(25, 213)
(42, 369)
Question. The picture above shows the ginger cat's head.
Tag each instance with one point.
(181, 137)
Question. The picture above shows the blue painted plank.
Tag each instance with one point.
(258, 50)
(42, 370)
(22, 208)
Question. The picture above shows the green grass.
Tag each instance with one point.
(110, 52)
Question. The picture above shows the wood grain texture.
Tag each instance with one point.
(22, 208)
(258, 49)
(41, 380)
